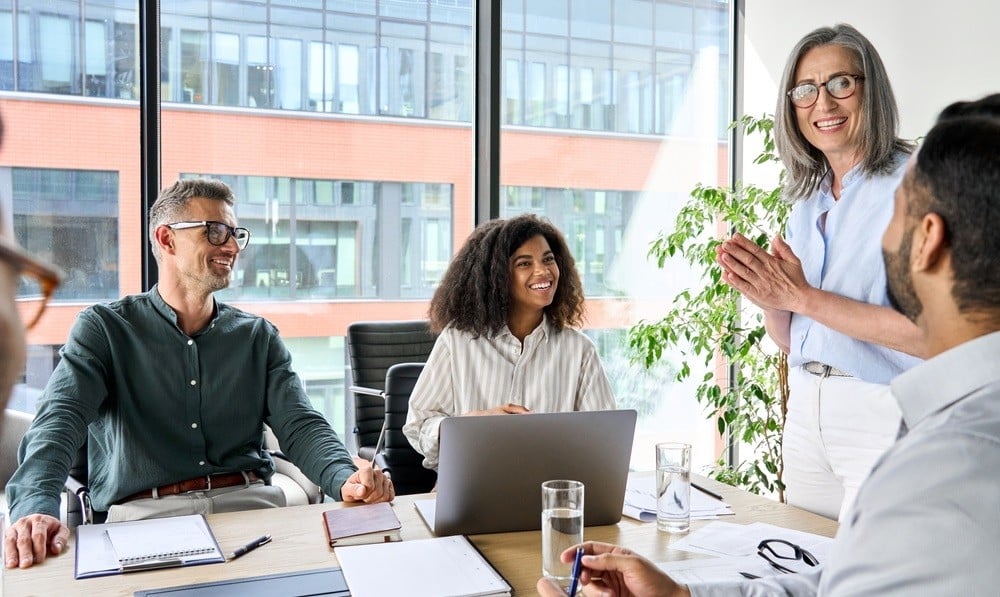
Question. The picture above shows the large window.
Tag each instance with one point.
(612, 65)
(345, 129)
(606, 65)
(625, 72)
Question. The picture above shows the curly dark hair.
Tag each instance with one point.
(474, 295)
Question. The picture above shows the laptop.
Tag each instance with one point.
(491, 468)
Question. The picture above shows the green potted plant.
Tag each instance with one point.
(709, 325)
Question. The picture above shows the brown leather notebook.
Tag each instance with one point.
(354, 525)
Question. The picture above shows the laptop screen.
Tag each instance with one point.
(491, 468)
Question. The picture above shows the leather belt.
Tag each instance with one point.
(817, 368)
(203, 483)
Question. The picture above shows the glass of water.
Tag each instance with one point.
(673, 487)
(562, 526)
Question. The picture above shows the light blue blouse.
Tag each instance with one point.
(846, 258)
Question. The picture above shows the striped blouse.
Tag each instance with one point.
(555, 371)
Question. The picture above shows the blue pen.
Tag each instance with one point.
(575, 578)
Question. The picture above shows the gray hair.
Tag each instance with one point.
(804, 164)
(172, 201)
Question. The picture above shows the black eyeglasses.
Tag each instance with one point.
(776, 551)
(218, 233)
(839, 87)
(37, 282)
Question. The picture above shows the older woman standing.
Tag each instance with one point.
(823, 292)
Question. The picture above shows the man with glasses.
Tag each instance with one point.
(925, 521)
(171, 389)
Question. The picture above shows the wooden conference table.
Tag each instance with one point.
(299, 543)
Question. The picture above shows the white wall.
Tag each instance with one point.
(936, 52)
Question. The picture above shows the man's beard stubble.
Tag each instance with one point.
(899, 282)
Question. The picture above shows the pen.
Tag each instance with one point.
(575, 578)
(250, 546)
(705, 491)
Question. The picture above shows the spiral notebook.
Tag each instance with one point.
(114, 548)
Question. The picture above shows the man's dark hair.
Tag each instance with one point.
(957, 175)
(474, 295)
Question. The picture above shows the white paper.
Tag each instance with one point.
(640, 501)
(723, 569)
(730, 539)
(427, 507)
(440, 567)
(173, 537)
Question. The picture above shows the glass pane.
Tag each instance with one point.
(622, 70)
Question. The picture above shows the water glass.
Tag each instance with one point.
(673, 487)
(562, 526)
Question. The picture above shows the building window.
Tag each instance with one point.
(70, 218)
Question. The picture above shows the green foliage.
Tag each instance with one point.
(711, 321)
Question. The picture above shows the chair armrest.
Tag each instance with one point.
(380, 462)
(283, 465)
(78, 503)
(367, 391)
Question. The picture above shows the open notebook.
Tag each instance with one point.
(441, 567)
(113, 548)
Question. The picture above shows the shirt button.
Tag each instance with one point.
(194, 382)
(194, 425)
(201, 463)
(190, 342)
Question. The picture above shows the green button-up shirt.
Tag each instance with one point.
(158, 406)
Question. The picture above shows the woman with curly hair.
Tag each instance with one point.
(506, 312)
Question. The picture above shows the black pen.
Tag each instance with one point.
(707, 492)
(250, 546)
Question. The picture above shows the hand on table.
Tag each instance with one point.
(32, 538)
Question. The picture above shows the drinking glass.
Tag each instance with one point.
(562, 526)
(673, 487)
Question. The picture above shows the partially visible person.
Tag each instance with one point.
(506, 311)
(925, 521)
(823, 291)
(14, 263)
(171, 389)
(11, 327)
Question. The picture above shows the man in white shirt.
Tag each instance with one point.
(925, 522)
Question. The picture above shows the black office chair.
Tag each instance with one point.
(397, 456)
(373, 347)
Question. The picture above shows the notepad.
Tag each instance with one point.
(368, 523)
(440, 567)
(113, 548)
